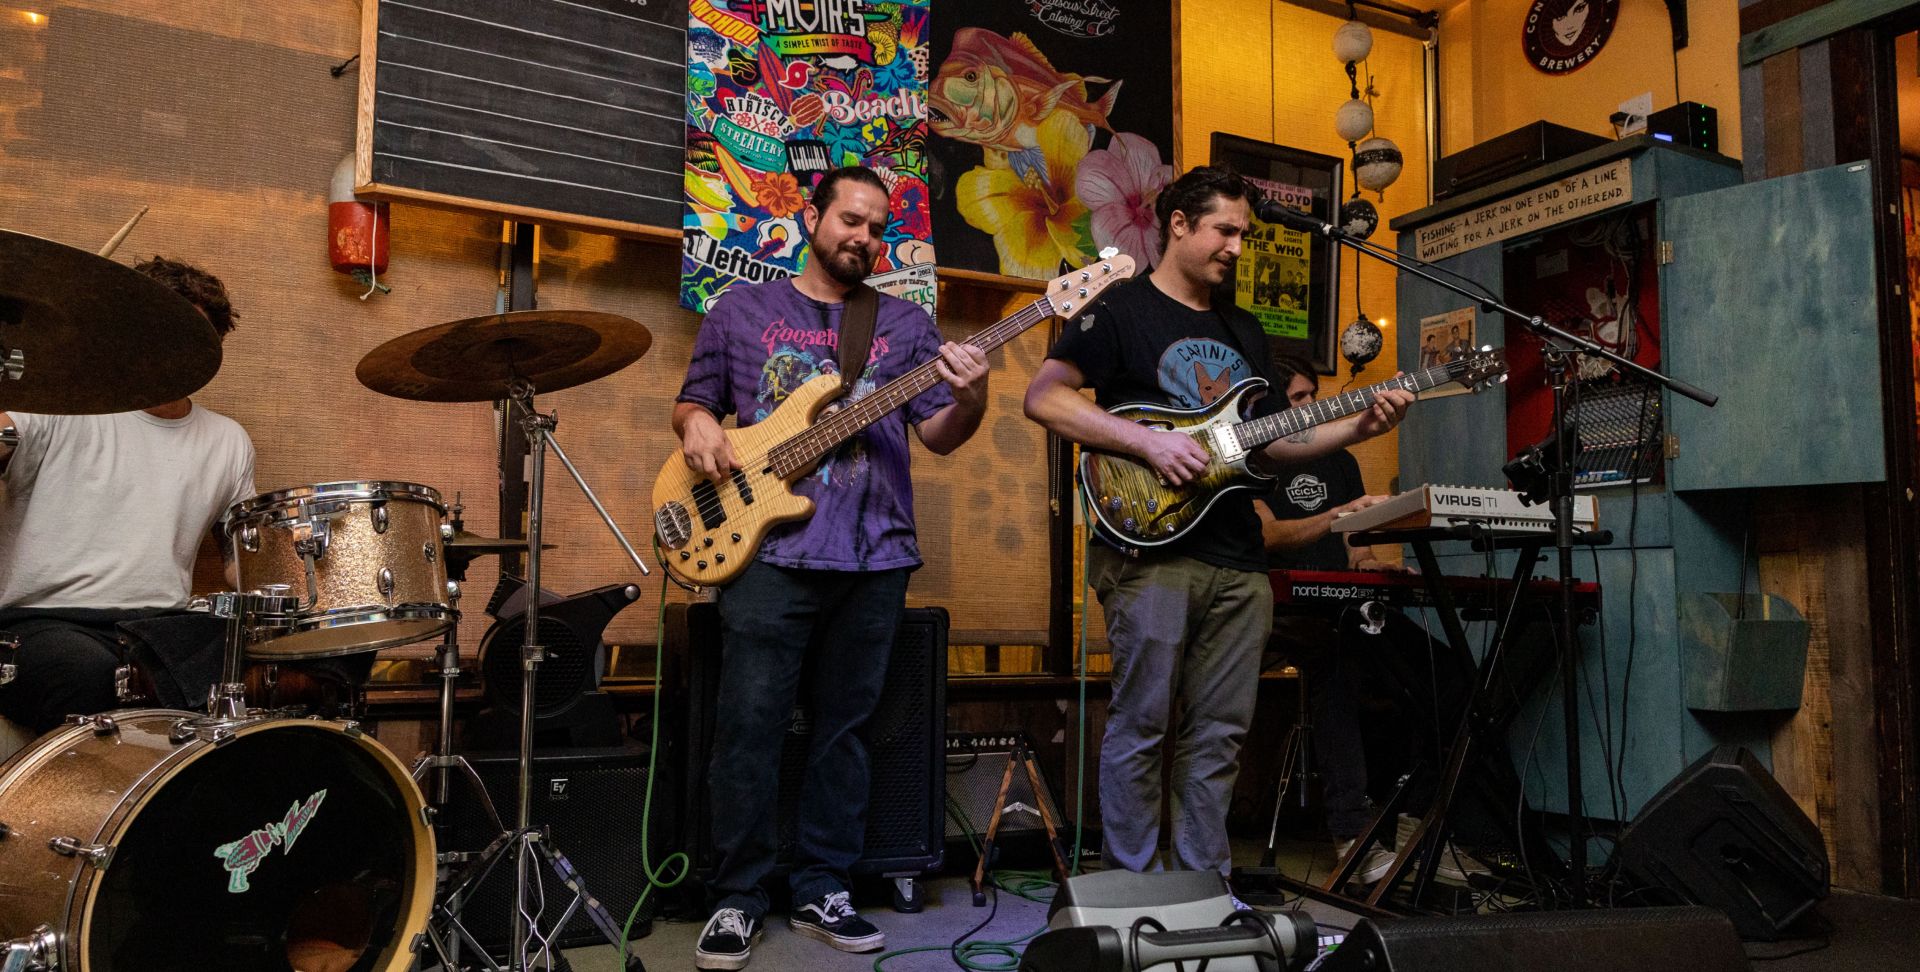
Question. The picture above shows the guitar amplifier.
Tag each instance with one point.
(1530, 147)
(905, 741)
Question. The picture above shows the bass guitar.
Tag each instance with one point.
(708, 531)
(1133, 507)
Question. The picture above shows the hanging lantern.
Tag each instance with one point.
(1353, 121)
(1376, 163)
(1358, 218)
(1360, 343)
(1352, 42)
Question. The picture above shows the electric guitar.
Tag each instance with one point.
(1133, 507)
(708, 531)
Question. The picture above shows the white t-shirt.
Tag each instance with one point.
(108, 511)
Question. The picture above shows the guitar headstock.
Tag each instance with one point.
(1070, 293)
(1479, 368)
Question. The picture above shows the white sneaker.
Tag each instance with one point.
(727, 940)
(1455, 864)
(1374, 864)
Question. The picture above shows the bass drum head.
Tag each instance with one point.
(293, 846)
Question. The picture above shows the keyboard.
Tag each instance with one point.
(1445, 506)
(1309, 589)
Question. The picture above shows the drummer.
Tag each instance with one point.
(101, 517)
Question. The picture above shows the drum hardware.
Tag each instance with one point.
(9, 647)
(488, 359)
(31, 953)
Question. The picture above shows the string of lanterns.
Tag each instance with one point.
(1376, 165)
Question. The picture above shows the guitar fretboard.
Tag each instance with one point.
(1254, 433)
(802, 451)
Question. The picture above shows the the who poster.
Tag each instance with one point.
(779, 92)
(1272, 277)
(1052, 124)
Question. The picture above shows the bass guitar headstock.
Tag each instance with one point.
(1070, 293)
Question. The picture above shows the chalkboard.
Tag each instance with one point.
(569, 112)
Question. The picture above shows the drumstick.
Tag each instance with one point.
(114, 244)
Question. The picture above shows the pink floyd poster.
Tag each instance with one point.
(779, 92)
(1052, 131)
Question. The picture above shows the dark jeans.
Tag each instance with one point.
(65, 665)
(780, 626)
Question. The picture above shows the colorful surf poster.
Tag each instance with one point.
(779, 92)
(1271, 279)
(1052, 132)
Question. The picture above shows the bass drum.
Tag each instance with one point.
(133, 843)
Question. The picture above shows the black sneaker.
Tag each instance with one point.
(727, 941)
(832, 919)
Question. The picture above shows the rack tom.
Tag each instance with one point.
(365, 561)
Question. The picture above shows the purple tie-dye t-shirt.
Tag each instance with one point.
(761, 342)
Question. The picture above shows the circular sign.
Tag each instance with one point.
(1561, 36)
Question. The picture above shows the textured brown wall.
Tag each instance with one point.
(223, 118)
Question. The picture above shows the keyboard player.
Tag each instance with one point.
(1296, 521)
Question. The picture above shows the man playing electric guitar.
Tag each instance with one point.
(833, 584)
(1187, 620)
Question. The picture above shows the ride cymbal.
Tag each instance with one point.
(94, 336)
(478, 359)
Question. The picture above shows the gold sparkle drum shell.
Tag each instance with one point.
(379, 575)
(133, 842)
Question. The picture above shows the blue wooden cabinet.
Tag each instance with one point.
(1766, 298)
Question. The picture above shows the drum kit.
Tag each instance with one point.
(153, 838)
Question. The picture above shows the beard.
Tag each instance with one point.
(846, 265)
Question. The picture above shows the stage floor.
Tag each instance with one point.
(1864, 933)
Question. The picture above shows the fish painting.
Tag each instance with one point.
(995, 91)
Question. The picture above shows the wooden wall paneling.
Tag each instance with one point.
(1817, 116)
(1854, 739)
(1780, 80)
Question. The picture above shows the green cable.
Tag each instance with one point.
(1080, 730)
(653, 874)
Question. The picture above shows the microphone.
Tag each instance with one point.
(1270, 211)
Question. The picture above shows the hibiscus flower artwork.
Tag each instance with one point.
(1118, 184)
(1048, 145)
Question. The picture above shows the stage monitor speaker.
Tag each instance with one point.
(1725, 834)
(590, 800)
(905, 741)
(1606, 940)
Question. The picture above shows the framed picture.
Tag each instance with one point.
(1287, 279)
(1444, 337)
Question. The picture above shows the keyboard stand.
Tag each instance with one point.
(1479, 722)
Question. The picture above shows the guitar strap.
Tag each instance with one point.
(856, 333)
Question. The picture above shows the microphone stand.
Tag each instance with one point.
(1560, 348)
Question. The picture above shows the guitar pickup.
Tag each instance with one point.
(740, 483)
(706, 499)
(1226, 445)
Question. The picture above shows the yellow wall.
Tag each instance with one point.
(1488, 88)
(1226, 48)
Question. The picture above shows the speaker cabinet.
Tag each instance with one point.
(1725, 834)
(905, 741)
(591, 802)
(1614, 940)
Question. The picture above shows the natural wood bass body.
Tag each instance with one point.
(752, 501)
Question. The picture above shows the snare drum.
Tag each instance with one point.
(135, 842)
(378, 573)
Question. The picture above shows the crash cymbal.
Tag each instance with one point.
(475, 360)
(94, 336)
(475, 545)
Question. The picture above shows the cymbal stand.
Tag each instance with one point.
(526, 841)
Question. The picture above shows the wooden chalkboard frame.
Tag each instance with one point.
(363, 164)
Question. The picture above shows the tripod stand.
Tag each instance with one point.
(530, 847)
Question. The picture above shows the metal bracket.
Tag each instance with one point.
(97, 855)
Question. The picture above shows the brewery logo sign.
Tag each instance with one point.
(1561, 36)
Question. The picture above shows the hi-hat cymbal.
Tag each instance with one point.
(475, 545)
(477, 359)
(94, 336)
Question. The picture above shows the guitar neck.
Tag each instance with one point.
(1255, 433)
(803, 451)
